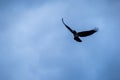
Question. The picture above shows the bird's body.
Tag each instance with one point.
(76, 37)
(80, 34)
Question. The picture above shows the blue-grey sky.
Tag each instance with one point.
(35, 45)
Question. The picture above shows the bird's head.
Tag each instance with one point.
(74, 32)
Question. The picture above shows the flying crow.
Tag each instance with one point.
(80, 34)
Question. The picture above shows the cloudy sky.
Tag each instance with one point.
(35, 45)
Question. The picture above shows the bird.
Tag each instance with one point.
(77, 35)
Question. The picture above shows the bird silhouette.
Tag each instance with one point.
(80, 34)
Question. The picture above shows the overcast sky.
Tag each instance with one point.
(35, 45)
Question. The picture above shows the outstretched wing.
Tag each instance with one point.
(87, 33)
(67, 26)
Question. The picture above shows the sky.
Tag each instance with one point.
(35, 45)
